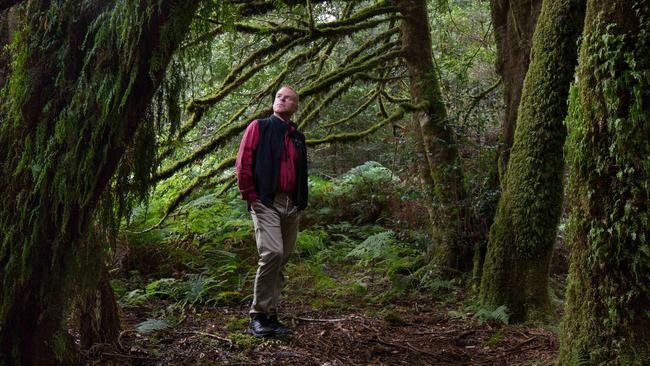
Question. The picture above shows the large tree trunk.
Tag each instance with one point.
(442, 167)
(606, 319)
(82, 77)
(99, 320)
(514, 23)
(521, 240)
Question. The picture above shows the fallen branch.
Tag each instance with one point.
(210, 335)
(110, 354)
(319, 320)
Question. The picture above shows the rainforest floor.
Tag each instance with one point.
(379, 327)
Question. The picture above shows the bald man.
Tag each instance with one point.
(272, 178)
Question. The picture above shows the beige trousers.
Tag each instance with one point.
(276, 230)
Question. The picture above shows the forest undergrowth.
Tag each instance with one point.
(358, 290)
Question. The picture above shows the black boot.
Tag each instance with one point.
(278, 326)
(261, 325)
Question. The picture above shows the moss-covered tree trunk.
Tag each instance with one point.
(607, 311)
(82, 75)
(521, 239)
(441, 162)
(514, 23)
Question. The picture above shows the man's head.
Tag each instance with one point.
(285, 103)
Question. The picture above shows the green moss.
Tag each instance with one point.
(236, 323)
(68, 123)
(521, 238)
(606, 314)
(246, 342)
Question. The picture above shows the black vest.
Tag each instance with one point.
(266, 163)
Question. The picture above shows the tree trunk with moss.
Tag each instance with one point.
(82, 76)
(607, 318)
(521, 239)
(441, 165)
(514, 23)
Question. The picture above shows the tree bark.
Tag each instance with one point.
(82, 77)
(99, 320)
(514, 24)
(521, 239)
(606, 319)
(442, 168)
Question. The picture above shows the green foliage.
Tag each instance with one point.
(310, 242)
(209, 248)
(133, 299)
(494, 338)
(499, 314)
(580, 358)
(606, 319)
(245, 341)
(361, 195)
(152, 325)
(432, 282)
(377, 246)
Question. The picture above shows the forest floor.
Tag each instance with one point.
(407, 328)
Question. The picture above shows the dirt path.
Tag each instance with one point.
(407, 334)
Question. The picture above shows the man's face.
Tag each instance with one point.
(286, 101)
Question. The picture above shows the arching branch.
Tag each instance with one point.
(361, 108)
(354, 136)
(339, 75)
(302, 121)
(191, 187)
(259, 7)
(477, 98)
(201, 151)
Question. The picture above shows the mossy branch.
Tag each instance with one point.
(354, 136)
(361, 108)
(328, 30)
(191, 187)
(198, 154)
(339, 75)
(394, 99)
(259, 7)
(195, 118)
(382, 106)
(311, 114)
(477, 98)
(235, 82)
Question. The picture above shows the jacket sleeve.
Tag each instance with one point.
(244, 163)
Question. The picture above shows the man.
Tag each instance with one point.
(272, 177)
